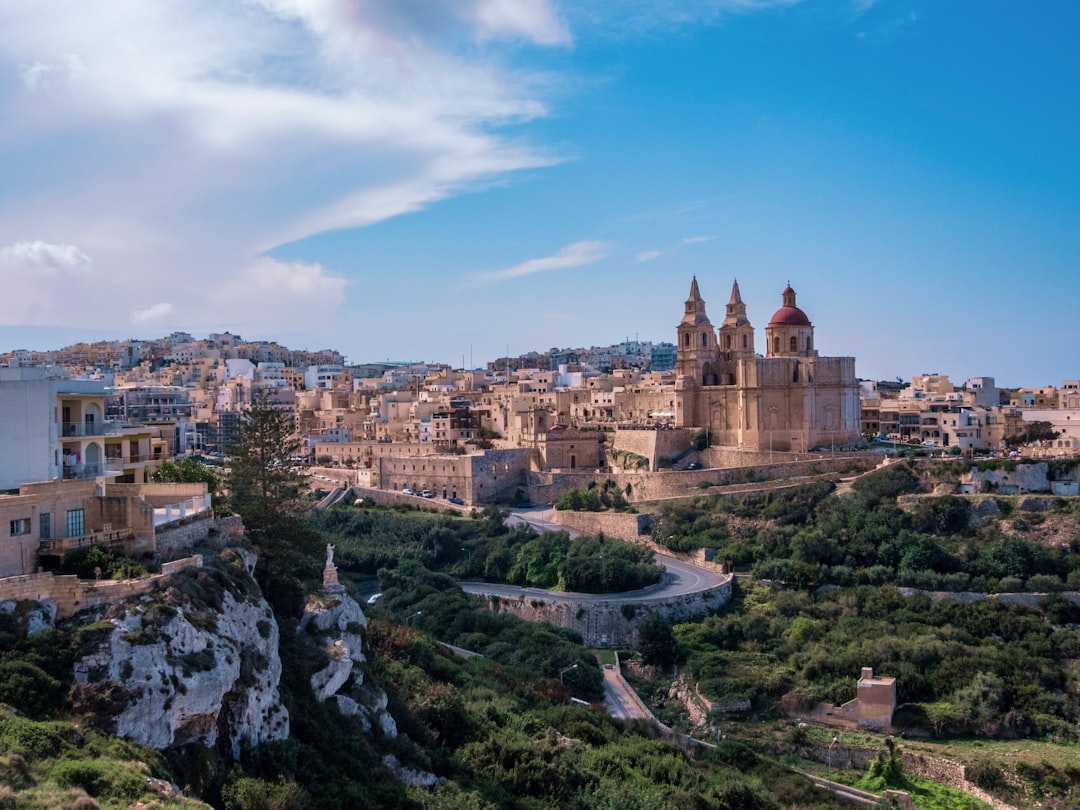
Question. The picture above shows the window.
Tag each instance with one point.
(20, 527)
(794, 343)
(45, 525)
(76, 522)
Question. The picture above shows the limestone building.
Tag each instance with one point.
(790, 399)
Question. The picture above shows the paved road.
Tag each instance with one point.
(680, 578)
(620, 700)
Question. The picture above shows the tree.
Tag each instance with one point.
(262, 488)
(266, 495)
(656, 642)
(1033, 432)
(700, 439)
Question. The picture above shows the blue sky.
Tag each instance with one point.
(444, 180)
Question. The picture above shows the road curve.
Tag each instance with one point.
(680, 578)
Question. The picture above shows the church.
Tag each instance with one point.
(790, 399)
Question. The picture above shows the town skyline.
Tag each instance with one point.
(407, 182)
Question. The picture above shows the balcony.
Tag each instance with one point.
(81, 429)
(76, 471)
(106, 537)
(118, 464)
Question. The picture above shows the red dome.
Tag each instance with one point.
(789, 316)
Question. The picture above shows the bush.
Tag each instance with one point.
(100, 777)
(85, 562)
(247, 793)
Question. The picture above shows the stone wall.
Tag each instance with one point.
(943, 771)
(545, 487)
(181, 538)
(623, 525)
(610, 623)
(71, 594)
(652, 444)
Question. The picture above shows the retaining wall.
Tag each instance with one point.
(944, 771)
(610, 623)
(71, 594)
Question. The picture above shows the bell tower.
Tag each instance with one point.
(736, 333)
(696, 359)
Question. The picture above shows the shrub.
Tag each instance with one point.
(100, 777)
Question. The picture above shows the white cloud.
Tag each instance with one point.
(45, 257)
(178, 140)
(39, 75)
(575, 255)
(696, 240)
(155, 313)
(534, 19)
(647, 256)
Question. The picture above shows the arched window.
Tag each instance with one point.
(704, 339)
(794, 343)
(686, 340)
(727, 341)
(776, 345)
(809, 343)
(745, 342)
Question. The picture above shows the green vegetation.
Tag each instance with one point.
(590, 499)
(190, 471)
(94, 562)
(369, 539)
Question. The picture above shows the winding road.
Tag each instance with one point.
(680, 578)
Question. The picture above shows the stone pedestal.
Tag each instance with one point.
(330, 578)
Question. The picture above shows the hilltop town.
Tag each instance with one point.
(116, 409)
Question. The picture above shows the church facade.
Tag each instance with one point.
(790, 399)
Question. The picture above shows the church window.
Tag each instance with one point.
(704, 339)
(744, 342)
(794, 343)
(686, 340)
(809, 342)
(776, 345)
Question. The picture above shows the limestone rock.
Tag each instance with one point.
(186, 675)
(338, 619)
(408, 775)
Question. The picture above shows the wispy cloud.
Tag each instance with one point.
(44, 257)
(696, 240)
(647, 256)
(352, 113)
(578, 254)
(148, 316)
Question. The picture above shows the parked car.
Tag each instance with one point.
(693, 465)
(427, 493)
(456, 500)
(407, 491)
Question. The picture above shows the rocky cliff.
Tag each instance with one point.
(338, 621)
(195, 661)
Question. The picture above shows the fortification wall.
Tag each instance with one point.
(652, 444)
(545, 487)
(71, 594)
(610, 623)
(181, 538)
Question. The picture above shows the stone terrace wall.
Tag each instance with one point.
(181, 538)
(624, 525)
(652, 444)
(545, 487)
(71, 594)
(610, 623)
(943, 771)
